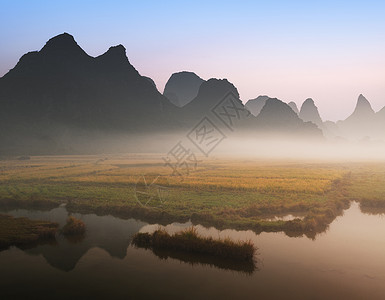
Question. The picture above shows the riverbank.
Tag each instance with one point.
(24, 233)
(236, 194)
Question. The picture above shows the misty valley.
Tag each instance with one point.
(110, 188)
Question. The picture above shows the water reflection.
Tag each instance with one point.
(204, 260)
(106, 232)
(346, 262)
(114, 236)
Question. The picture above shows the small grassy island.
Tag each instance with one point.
(73, 227)
(190, 241)
(24, 233)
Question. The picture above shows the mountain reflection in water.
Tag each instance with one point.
(345, 262)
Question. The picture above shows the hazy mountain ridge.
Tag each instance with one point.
(294, 107)
(364, 122)
(182, 87)
(255, 105)
(278, 117)
(61, 91)
(309, 113)
(61, 83)
(60, 94)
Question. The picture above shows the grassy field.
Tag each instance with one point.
(225, 192)
(25, 233)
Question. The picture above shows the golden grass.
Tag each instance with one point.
(190, 241)
(23, 232)
(228, 192)
(73, 227)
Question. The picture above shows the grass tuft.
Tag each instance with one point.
(190, 241)
(73, 227)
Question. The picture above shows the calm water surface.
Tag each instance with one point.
(346, 262)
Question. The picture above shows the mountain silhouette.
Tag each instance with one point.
(363, 110)
(309, 113)
(210, 93)
(182, 87)
(278, 117)
(255, 105)
(61, 89)
(62, 100)
(294, 107)
(218, 100)
(104, 232)
(151, 81)
(363, 122)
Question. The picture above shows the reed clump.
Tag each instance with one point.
(190, 241)
(73, 227)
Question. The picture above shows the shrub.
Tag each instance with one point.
(73, 227)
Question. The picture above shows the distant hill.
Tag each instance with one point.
(363, 111)
(363, 122)
(255, 105)
(275, 118)
(309, 113)
(210, 94)
(278, 117)
(182, 87)
(60, 100)
(61, 89)
(294, 107)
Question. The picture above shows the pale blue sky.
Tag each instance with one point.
(328, 50)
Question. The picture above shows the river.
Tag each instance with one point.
(345, 262)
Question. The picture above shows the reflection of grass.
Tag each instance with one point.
(190, 241)
(23, 232)
(225, 193)
(247, 267)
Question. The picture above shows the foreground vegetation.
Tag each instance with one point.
(23, 233)
(190, 241)
(226, 193)
(73, 227)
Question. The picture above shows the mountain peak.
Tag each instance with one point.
(214, 87)
(62, 37)
(255, 105)
(182, 87)
(119, 50)
(278, 116)
(293, 107)
(308, 101)
(185, 73)
(277, 113)
(363, 110)
(309, 112)
(114, 59)
(116, 54)
(61, 40)
(62, 44)
(363, 105)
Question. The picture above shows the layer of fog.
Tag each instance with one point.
(268, 147)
